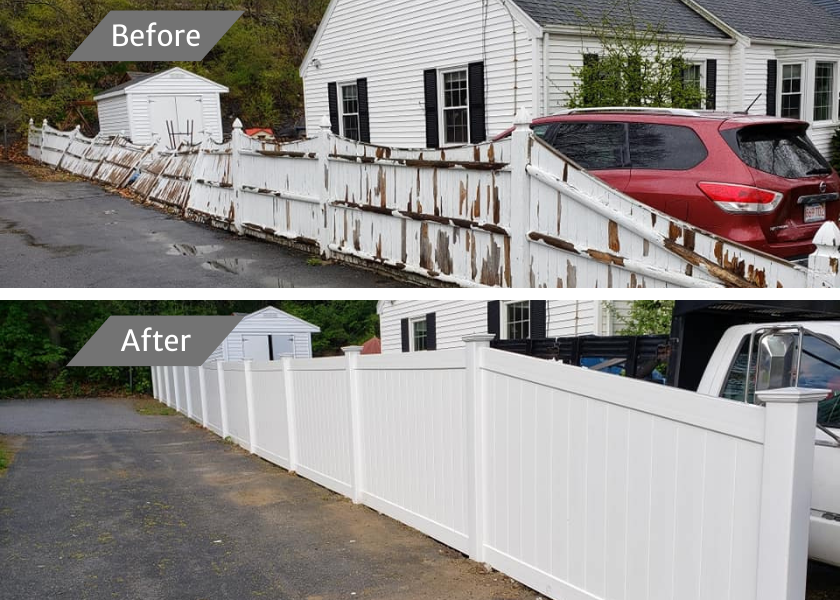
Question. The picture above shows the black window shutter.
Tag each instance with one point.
(538, 319)
(431, 332)
(364, 111)
(494, 318)
(430, 81)
(332, 92)
(711, 84)
(478, 120)
(772, 73)
(404, 335)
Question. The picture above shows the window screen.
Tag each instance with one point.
(592, 145)
(665, 147)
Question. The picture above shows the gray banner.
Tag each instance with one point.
(154, 341)
(155, 35)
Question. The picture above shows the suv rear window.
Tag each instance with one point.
(591, 145)
(665, 147)
(780, 150)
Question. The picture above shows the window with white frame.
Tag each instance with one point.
(517, 320)
(692, 77)
(824, 91)
(792, 75)
(419, 335)
(350, 111)
(455, 106)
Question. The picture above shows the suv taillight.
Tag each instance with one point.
(741, 199)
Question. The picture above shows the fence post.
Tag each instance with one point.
(236, 174)
(356, 446)
(220, 372)
(249, 404)
(824, 263)
(154, 383)
(43, 135)
(188, 392)
(178, 400)
(202, 390)
(785, 508)
(166, 398)
(324, 150)
(476, 468)
(520, 199)
(289, 390)
(70, 140)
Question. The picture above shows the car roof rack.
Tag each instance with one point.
(677, 112)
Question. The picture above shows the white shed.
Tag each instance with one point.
(268, 334)
(175, 105)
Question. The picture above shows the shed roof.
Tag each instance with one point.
(140, 79)
(271, 311)
(807, 21)
(673, 16)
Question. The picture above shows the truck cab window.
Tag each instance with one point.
(820, 368)
(738, 380)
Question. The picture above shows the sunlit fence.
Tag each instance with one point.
(576, 483)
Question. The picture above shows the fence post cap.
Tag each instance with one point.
(478, 338)
(325, 122)
(792, 395)
(31, 121)
(522, 119)
(77, 127)
(237, 124)
(352, 349)
(828, 235)
(44, 122)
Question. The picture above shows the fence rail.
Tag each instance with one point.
(510, 213)
(579, 484)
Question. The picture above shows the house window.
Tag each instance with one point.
(419, 335)
(455, 107)
(792, 91)
(824, 91)
(517, 325)
(692, 79)
(350, 111)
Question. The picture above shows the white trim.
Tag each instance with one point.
(503, 319)
(717, 22)
(341, 114)
(322, 26)
(803, 88)
(411, 322)
(834, 95)
(442, 108)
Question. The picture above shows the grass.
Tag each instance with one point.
(315, 262)
(9, 445)
(151, 407)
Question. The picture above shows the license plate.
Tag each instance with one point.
(814, 213)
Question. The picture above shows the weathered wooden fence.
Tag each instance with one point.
(512, 213)
(580, 484)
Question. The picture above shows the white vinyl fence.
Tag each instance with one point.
(579, 484)
(511, 213)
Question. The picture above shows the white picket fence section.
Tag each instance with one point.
(579, 484)
(511, 213)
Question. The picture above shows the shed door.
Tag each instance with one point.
(282, 345)
(255, 347)
(182, 114)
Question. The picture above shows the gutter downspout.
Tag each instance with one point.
(545, 71)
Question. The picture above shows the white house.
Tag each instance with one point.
(447, 72)
(175, 106)
(265, 335)
(412, 326)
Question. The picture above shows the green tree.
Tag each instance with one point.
(645, 317)
(834, 150)
(638, 64)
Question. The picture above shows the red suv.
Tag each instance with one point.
(755, 180)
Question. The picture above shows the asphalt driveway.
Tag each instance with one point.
(76, 234)
(102, 502)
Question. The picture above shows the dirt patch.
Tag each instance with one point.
(151, 407)
(45, 173)
(10, 445)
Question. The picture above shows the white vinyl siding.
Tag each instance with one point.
(393, 43)
(113, 116)
(454, 320)
(755, 79)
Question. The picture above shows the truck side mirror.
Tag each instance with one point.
(778, 360)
